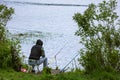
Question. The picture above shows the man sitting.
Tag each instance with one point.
(37, 55)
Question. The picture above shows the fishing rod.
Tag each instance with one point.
(58, 53)
(63, 70)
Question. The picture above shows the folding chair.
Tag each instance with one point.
(34, 63)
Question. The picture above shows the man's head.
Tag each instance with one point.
(39, 42)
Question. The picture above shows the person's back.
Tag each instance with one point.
(37, 51)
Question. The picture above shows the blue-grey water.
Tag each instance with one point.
(52, 24)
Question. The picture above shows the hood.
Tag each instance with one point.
(39, 42)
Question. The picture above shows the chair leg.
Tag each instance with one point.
(33, 68)
(29, 68)
(38, 68)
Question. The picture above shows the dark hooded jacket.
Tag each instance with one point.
(37, 51)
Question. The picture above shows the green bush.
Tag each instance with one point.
(9, 48)
(99, 31)
(47, 70)
(5, 56)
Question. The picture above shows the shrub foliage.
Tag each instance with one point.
(9, 47)
(99, 30)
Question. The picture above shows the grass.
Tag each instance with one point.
(10, 74)
(13, 75)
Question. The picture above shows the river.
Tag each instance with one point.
(52, 24)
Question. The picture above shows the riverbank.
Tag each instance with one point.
(10, 74)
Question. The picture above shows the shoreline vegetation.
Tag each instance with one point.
(10, 74)
(101, 60)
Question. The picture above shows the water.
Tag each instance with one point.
(54, 23)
